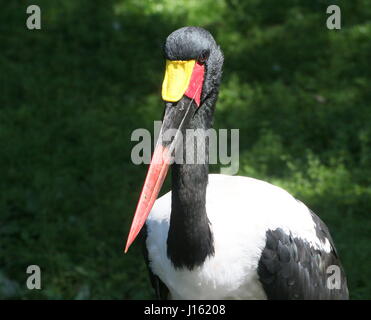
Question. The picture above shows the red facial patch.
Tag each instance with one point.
(196, 82)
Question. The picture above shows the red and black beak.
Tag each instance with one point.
(182, 79)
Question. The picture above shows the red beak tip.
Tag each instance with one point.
(127, 247)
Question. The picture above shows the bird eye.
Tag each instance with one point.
(203, 56)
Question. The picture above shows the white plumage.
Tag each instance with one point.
(241, 210)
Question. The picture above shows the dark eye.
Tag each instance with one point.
(203, 56)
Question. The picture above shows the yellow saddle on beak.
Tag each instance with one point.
(177, 76)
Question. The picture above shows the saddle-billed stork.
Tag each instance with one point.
(216, 236)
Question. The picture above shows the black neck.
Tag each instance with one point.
(190, 239)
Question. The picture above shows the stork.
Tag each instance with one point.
(216, 236)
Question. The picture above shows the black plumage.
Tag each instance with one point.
(292, 269)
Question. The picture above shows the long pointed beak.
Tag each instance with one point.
(155, 178)
(175, 118)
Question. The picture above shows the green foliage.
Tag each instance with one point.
(72, 93)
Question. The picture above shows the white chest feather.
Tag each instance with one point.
(240, 210)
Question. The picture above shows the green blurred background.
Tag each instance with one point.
(72, 93)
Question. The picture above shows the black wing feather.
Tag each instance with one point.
(290, 268)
